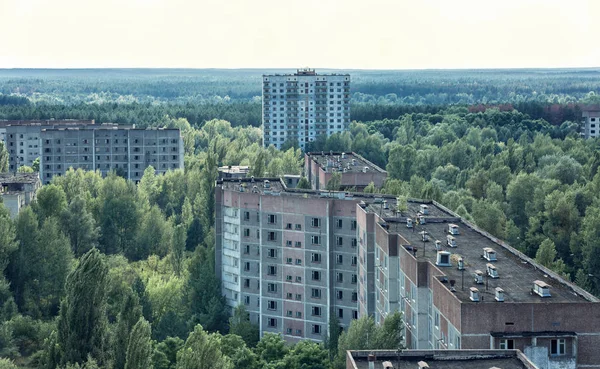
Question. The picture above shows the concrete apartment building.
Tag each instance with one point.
(590, 127)
(22, 138)
(288, 255)
(357, 172)
(18, 190)
(105, 148)
(297, 257)
(441, 359)
(461, 288)
(302, 106)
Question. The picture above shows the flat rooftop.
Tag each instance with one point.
(516, 272)
(18, 178)
(305, 72)
(277, 187)
(235, 169)
(4, 123)
(343, 162)
(437, 359)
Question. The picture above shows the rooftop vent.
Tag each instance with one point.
(365, 169)
(461, 264)
(489, 254)
(438, 245)
(492, 271)
(443, 258)
(451, 241)
(385, 204)
(387, 365)
(499, 294)
(371, 358)
(453, 229)
(478, 277)
(541, 288)
(422, 365)
(422, 219)
(343, 155)
(353, 161)
(424, 209)
(452, 283)
(267, 184)
(474, 295)
(424, 236)
(409, 223)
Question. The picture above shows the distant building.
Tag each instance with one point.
(446, 359)
(18, 190)
(590, 127)
(357, 172)
(126, 151)
(234, 171)
(22, 138)
(300, 107)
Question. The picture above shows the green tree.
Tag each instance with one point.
(178, 249)
(334, 336)
(240, 325)
(51, 201)
(307, 355)
(335, 182)
(155, 236)
(129, 316)
(82, 323)
(370, 188)
(7, 363)
(271, 348)
(139, 349)
(165, 353)
(3, 158)
(79, 225)
(202, 351)
(303, 184)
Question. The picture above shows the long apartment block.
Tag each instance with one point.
(22, 138)
(126, 151)
(296, 258)
(302, 106)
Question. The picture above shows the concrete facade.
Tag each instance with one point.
(18, 190)
(22, 138)
(357, 172)
(590, 127)
(303, 106)
(127, 151)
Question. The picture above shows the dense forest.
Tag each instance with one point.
(103, 273)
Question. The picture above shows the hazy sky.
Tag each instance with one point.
(394, 34)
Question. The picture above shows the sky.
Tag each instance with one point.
(340, 34)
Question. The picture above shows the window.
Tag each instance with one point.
(341, 313)
(339, 241)
(354, 297)
(354, 278)
(340, 277)
(298, 244)
(316, 275)
(288, 243)
(507, 344)
(558, 347)
(289, 330)
(353, 242)
(298, 297)
(340, 259)
(272, 219)
(315, 293)
(272, 287)
(354, 314)
(339, 223)
(353, 225)
(288, 278)
(289, 295)
(316, 222)
(272, 253)
(272, 236)
(316, 311)
(354, 260)
(340, 295)
(298, 261)
(272, 305)
(298, 227)
(316, 329)
(316, 258)
(272, 270)
(247, 283)
(298, 279)
(246, 266)
(246, 232)
(289, 313)
(272, 322)
(316, 240)
(288, 260)
(246, 214)
(298, 314)
(247, 300)
(288, 226)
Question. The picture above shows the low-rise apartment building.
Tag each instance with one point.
(126, 151)
(356, 171)
(18, 190)
(590, 127)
